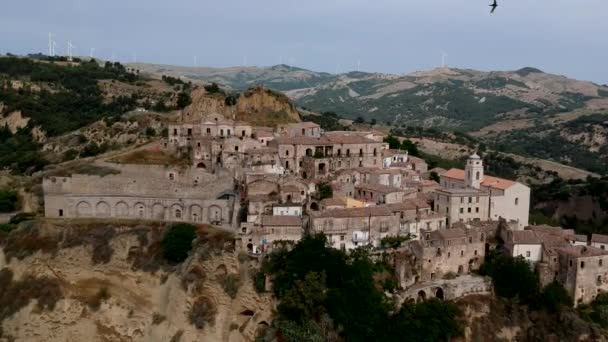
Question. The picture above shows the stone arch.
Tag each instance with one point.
(314, 206)
(460, 269)
(158, 211)
(421, 296)
(140, 210)
(439, 293)
(102, 209)
(250, 247)
(309, 152)
(83, 209)
(201, 165)
(215, 214)
(196, 213)
(121, 209)
(177, 212)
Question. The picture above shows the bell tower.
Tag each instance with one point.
(473, 172)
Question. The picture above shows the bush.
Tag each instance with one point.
(512, 277)
(8, 200)
(177, 242)
(231, 284)
(325, 191)
(555, 297)
(21, 217)
(94, 302)
(213, 88)
(150, 132)
(259, 282)
(70, 154)
(183, 100)
(202, 313)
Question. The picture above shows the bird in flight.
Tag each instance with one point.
(493, 5)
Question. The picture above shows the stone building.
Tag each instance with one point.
(454, 251)
(507, 199)
(415, 216)
(147, 193)
(583, 271)
(260, 236)
(350, 228)
(599, 241)
(382, 194)
(301, 129)
(462, 204)
(334, 151)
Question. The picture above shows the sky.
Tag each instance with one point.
(566, 37)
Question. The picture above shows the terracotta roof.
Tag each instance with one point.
(581, 251)
(333, 201)
(599, 238)
(355, 212)
(552, 230)
(489, 181)
(269, 220)
(447, 234)
(523, 237)
(264, 134)
(378, 188)
(462, 191)
(409, 204)
(305, 124)
(580, 237)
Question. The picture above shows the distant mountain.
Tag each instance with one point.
(525, 111)
(279, 77)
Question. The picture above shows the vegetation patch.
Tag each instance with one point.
(149, 157)
(231, 284)
(177, 242)
(17, 294)
(202, 313)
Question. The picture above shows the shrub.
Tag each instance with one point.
(94, 302)
(231, 284)
(202, 313)
(158, 318)
(325, 191)
(213, 88)
(70, 154)
(8, 200)
(21, 217)
(259, 282)
(150, 132)
(177, 242)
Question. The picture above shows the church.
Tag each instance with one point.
(468, 194)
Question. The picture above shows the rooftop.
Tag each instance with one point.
(465, 191)
(581, 251)
(378, 188)
(333, 201)
(599, 238)
(327, 139)
(488, 181)
(269, 220)
(354, 212)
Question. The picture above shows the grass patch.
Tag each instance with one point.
(231, 284)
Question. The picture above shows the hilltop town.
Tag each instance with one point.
(276, 205)
(273, 186)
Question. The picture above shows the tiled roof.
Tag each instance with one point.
(378, 188)
(270, 220)
(409, 204)
(489, 181)
(354, 212)
(333, 201)
(599, 238)
(305, 124)
(523, 237)
(462, 191)
(581, 251)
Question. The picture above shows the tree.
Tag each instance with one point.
(213, 88)
(359, 120)
(434, 176)
(512, 277)
(183, 100)
(393, 142)
(177, 242)
(555, 297)
(410, 147)
(305, 299)
(373, 122)
(150, 132)
(325, 191)
(8, 200)
(231, 100)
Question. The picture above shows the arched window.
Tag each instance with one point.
(516, 200)
(477, 175)
(375, 152)
(178, 213)
(361, 152)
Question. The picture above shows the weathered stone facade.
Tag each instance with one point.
(154, 193)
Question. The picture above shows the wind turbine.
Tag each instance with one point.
(51, 44)
(70, 48)
(358, 65)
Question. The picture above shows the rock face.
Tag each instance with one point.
(257, 105)
(113, 291)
